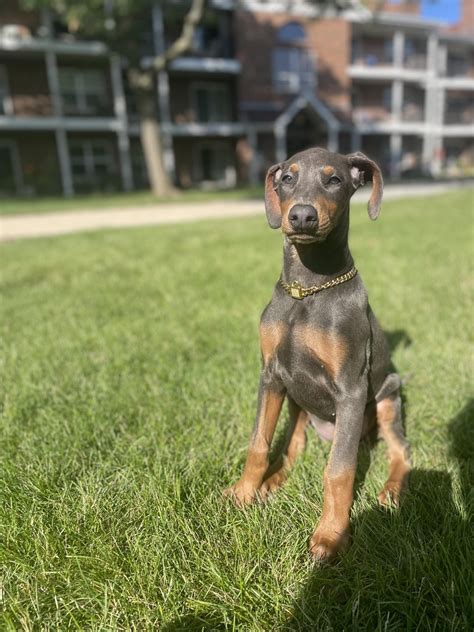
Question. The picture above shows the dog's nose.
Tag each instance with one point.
(303, 216)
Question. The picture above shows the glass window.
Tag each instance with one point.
(7, 173)
(293, 69)
(291, 33)
(212, 103)
(91, 160)
(216, 164)
(83, 91)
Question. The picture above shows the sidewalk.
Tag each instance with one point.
(42, 225)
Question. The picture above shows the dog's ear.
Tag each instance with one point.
(365, 170)
(272, 202)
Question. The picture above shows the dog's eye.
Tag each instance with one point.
(334, 180)
(287, 178)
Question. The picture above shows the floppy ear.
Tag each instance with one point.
(272, 203)
(363, 169)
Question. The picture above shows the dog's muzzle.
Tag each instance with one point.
(303, 218)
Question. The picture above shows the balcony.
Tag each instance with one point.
(371, 104)
(212, 48)
(414, 54)
(413, 111)
(413, 107)
(459, 65)
(459, 113)
(372, 52)
(373, 58)
(371, 114)
(205, 65)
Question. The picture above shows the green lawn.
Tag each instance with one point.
(21, 206)
(130, 367)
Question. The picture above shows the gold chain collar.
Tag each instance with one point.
(295, 290)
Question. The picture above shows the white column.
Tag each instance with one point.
(333, 138)
(398, 48)
(120, 109)
(395, 154)
(280, 143)
(397, 104)
(356, 140)
(431, 92)
(60, 133)
(163, 91)
(437, 138)
(253, 169)
(397, 100)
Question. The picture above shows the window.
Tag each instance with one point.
(83, 91)
(92, 161)
(458, 65)
(5, 101)
(212, 103)
(215, 166)
(291, 33)
(10, 168)
(293, 65)
(293, 69)
(387, 98)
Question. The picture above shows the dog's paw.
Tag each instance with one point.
(241, 494)
(326, 547)
(272, 483)
(390, 494)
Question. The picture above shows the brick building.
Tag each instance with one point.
(259, 84)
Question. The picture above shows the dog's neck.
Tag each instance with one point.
(316, 263)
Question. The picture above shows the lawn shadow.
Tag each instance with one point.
(385, 582)
(395, 339)
(195, 623)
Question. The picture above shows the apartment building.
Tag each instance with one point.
(393, 85)
(259, 83)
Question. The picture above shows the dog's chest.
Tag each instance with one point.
(312, 346)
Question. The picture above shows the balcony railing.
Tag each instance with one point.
(459, 67)
(459, 115)
(413, 111)
(372, 59)
(415, 62)
(371, 114)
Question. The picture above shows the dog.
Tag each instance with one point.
(322, 347)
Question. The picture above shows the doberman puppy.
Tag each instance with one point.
(322, 347)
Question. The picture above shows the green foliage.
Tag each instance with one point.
(129, 370)
(118, 23)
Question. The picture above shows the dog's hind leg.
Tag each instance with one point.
(295, 444)
(390, 428)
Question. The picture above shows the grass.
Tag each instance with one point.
(130, 366)
(22, 206)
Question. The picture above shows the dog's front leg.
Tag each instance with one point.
(270, 400)
(332, 534)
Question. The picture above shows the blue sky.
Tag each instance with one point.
(445, 10)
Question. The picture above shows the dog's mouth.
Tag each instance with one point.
(302, 238)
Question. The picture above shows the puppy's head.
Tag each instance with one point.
(307, 194)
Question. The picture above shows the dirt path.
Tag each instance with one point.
(50, 224)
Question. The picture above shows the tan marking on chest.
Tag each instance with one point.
(326, 345)
(270, 337)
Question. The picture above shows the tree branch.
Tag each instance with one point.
(184, 41)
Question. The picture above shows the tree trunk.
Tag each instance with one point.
(150, 135)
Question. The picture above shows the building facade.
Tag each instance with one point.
(260, 83)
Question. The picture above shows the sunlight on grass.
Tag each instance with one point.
(130, 367)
